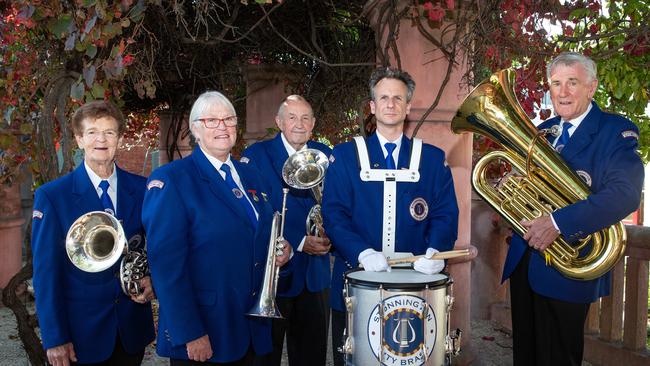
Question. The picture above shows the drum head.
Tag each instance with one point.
(398, 278)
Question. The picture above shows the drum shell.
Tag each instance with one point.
(364, 299)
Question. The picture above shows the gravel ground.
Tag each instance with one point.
(492, 346)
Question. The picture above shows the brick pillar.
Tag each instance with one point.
(11, 232)
(183, 143)
(428, 69)
(266, 87)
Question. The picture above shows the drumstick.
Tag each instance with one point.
(439, 255)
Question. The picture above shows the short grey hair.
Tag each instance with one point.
(204, 102)
(391, 73)
(292, 98)
(570, 59)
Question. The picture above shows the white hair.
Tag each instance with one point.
(570, 59)
(206, 101)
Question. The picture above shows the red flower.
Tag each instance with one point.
(436, 13)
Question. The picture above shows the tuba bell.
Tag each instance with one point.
(540, 181)
(305, 169)
(96, 241)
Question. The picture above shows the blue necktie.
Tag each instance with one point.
(390, 162)
(106, 199)
(564, 137)
(239, 195)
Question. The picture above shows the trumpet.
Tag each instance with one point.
(96, 241)
(265, 305)
(305, 169)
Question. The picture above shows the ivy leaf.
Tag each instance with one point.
(98, 91)
(89, 75)
(77, 90)
(91, 51)
(70, 42)
(61, 25)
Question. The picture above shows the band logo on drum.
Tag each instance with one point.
(406, 330)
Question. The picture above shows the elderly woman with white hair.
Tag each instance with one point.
(208, 222)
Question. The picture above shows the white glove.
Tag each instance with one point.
(427, 265)
(373, 261)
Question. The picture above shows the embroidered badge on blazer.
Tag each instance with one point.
(584, 176)
(244, 160)
(630, 133)
(36, 214)
(155, 184)
(419, 209)
(237, 193)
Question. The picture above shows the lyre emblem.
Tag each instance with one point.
(402, 331)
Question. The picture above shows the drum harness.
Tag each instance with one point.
(390, 177)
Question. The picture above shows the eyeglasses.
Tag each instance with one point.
(230, 121)
(94, 134)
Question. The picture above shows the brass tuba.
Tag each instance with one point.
(96, 241)
(540, 181)
(305, 169)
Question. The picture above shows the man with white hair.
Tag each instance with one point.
(549, 310)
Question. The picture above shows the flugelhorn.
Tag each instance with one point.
(305, 169)
(541, 181)
(96, 241)
(265, 305)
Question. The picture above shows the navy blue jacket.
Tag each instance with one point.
(206, 258)
(603, 148)
(87, 309)
(353, 209)
(307, 271)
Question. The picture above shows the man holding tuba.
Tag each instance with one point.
(85, 317)
(549, 310)
(386, 195)
(303, 295)
(208, 222)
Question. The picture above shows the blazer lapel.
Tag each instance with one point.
(217, 184)
(582, 137)
(375, 153)
(86, 198)
(252, 192)
(125, 200)
(278, 155)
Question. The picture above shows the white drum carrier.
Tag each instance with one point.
(398, 318)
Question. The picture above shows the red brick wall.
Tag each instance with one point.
(131, 156)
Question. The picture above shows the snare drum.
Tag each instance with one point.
(396, 318)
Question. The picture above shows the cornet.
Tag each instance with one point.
(265, 305)
(96, 241)
(305, 169)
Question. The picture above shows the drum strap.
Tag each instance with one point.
(390, 177)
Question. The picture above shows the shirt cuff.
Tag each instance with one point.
(302, 244)
(554, 224)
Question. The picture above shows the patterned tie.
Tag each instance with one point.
(564, 137)
(239, 194)
(390, 162)
(106, 199)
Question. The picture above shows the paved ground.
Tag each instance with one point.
(493, 347)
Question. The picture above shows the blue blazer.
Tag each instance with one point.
(87, 309)
(307, 271)
(207, 260)
(602, 151)
(353, 209)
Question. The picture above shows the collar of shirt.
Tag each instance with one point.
(112, 181)
(574, 123)
(383, 141)
(288, 147)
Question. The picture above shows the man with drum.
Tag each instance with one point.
(386, 196)
(302, 296)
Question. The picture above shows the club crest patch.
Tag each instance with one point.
(402, 341)
(155, 184)
(630, 133)
(584, 176)
(36, 214)
(237, 193)
(244, 160)
(419, 209)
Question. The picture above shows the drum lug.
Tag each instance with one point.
(450, 302)
(452, 342)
